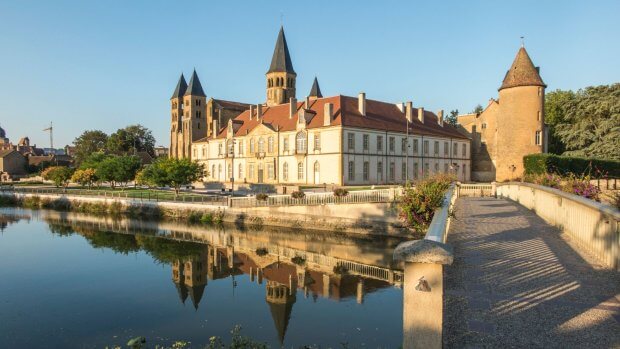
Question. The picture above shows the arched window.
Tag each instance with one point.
(300, 171)
(261, 145)
(300, 142)
(285, 171)
(252, 146)
(230, 172)
(213, 171)
(270, 144)
(219, 171)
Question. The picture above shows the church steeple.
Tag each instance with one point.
(522, 72)
(195, 88)
(179, 91)
(315, 91)
(281, 76)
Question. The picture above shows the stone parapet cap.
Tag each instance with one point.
(424, 251)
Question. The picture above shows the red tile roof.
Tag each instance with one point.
(379, 116)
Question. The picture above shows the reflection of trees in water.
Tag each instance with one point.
(8, 219)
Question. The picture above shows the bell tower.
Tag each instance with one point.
(176, 113)
(194, 115)
(281, 77)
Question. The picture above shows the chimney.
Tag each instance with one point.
(409, 111)
(292, 107)
(440, 117)
(361, 103)
(215, 129)
(259, 111)
(328, 111)
(251, 112)
(307, 106)
(421, 114)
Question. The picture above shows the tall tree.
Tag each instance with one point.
(172, 172)
(89, 142)
(478, 109)
(131, 139)
(452, 117)
(556, 104)
(591, 125)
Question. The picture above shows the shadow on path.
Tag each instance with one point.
(517, 282)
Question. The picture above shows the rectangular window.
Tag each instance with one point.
(300, 171)
(252, 147)
(350, 141)
(351, 171)
(425, 147)
(445, 148)
(270, 172)
(391, 144)
(380, 171)
(379, 143)
(241, 147)
(415, 170)
(317, 141)
(445, 168)
(366, 170)
(220, 149)
(270, 144)
(464, 150)
(538, 138)
(456, 149)
(251, 171)
(365, 138)
(436, 148)
(392, 169)
(415, 146)
(403, 145)
(403, 171)
(285, 143)
(464, 172)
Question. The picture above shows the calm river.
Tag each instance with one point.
(69, 280)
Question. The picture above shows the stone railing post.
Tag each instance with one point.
(494, 189)
(423, 292)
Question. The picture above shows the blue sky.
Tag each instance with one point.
(107, 64)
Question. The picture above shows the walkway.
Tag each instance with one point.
(517, 282)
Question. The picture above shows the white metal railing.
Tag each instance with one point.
(353, 197)
(475, 189)
(595, 226)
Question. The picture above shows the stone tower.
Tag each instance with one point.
(176, 113)
(281, 75)
(520, 121)
(194, 121)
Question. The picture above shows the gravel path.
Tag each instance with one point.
(517, 282)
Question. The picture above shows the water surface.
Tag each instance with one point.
(76, 281)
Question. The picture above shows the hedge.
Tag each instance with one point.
(563, 165)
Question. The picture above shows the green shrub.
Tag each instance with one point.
(261, 251)
(418, 203)
(194, 217)
(340, 192)
(31, 202)
(565, 165)
(262, 197)
(207, 218)
(298, 194)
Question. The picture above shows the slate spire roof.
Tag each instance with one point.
(315, 91)
(281, 60)
(522, 72)
(195, 88)
(181, 87)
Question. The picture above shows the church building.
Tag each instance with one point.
(338, 140)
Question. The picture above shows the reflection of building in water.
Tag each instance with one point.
(190, 277)
(280, 299)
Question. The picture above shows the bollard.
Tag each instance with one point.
(423, 292)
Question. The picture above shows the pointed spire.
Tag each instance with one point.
(195, 88)
(522, 72)
(181, 88)
(281, 60)
(195, 294)
(315, 91)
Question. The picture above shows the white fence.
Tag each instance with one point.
(593, 225)
(353, 197)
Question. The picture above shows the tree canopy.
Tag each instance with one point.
(131, 138)
(585, 123)
(172, 172)
(452, 117)
(89, 142)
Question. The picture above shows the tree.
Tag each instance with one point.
(478, 109)
(60, 175)
(173, 172)
(131, 139)
(452, 118)
(556, 104)
(118, 169)
(89, 142)
(84, 177)
(590, 125)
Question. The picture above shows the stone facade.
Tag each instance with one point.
(510, 127)
(12, 164)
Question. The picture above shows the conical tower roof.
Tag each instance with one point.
(522, 72)
(182, 291)
(195, 88)
(281, 314)
(181, 88)
(195, 293)
(315, 91)
(281, 60)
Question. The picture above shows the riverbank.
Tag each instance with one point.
(360, 218)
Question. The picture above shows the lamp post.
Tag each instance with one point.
(232, 167)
